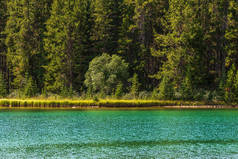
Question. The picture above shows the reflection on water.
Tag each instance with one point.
(119, 134)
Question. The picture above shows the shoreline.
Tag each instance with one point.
(110, 104)
(97, 108)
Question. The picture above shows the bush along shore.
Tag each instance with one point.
(33, 103)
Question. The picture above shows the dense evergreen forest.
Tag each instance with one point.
(167, 49)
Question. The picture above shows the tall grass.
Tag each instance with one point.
(99, 103)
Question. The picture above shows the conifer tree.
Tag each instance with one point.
(140, 19)
(30, 89)
(232, 35)
(3, 19)
(166, 90)
(108, 19)
(3, 88)
(24, 31)
(181, 44)
(135, 85)
(67, 44)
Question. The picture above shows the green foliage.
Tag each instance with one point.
(231, 87)
(166, 89)
(30, 89)
(186, 89)
(155, 93)
(105, 73)
(67, 44)
(24, 39)
(188, 45)
(67, 92)
(95, 99)
(3, 86)
(135, 85)
(107, 25)
(119, 90)
(3, 20)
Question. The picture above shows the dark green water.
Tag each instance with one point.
(119, 134)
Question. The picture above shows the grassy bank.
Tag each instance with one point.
(14, 103)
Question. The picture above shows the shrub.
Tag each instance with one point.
(105, 73)
(95, 99)
(199, 94)
(144, 95)
(119, 90)
(231, 87)
(67, 92)
(154, 94)
(30, 89)
(166, 90)
(128, 96)
(135, 85)
(186, 89)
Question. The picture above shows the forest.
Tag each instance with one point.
(144, 49)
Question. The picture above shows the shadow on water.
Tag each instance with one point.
(121, 144)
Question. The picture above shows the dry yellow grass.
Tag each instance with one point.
(67, 103)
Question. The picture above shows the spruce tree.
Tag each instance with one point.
(135, 85)
(140, 19)
(166, 90)
(67, 43)
(181, 44)
(3, 86)
(30, 89)
(108, 20)
(232, 35)
(231, 87)
(3, 49)
(24, 31)
(3, 19)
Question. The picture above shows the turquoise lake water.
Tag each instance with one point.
(119, 134)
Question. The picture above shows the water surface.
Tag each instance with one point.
(119, 134)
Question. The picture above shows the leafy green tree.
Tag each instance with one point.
(105, 73)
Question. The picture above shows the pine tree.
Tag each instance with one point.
(231, 87)
(3, 49)
(166, 90)
(24, 31)
(3, 19)
(232, 35)
(3, 88)
(181, 44)
(135, 85)
(108, 20)
(30, 89)
(67, 44)
(119, 90)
